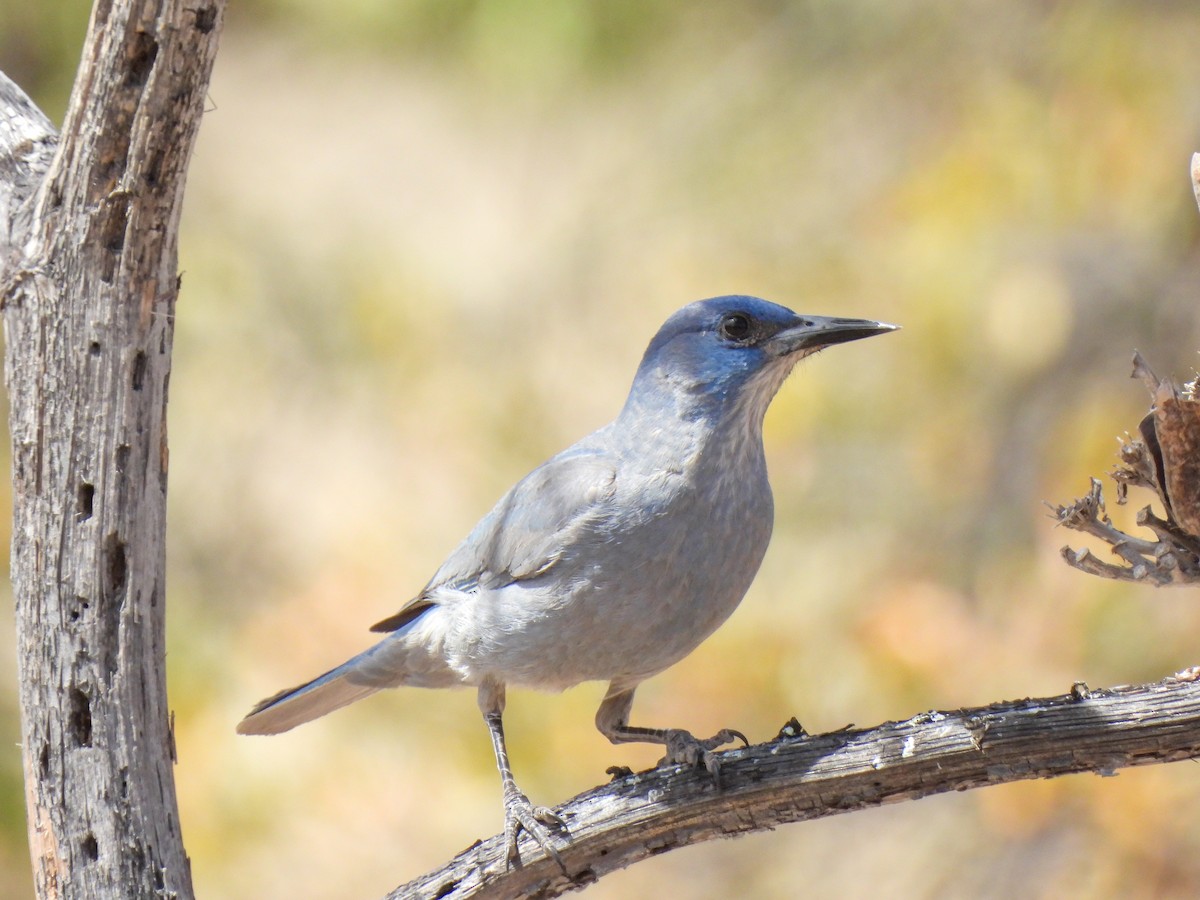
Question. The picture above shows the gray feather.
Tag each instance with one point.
(532, 526)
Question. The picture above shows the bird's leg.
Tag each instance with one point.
(682, 747)
(519, 813)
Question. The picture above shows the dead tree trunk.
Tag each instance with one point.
(88, 246)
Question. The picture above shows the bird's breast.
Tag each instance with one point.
(665, 563)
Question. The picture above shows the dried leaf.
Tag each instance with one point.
(1171, 435)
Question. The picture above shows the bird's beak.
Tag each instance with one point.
(811, 333)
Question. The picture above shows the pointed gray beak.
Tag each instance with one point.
(811, 333)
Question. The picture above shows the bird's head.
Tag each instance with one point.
(732, 353)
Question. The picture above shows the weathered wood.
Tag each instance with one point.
(89, 290)
(796, 778)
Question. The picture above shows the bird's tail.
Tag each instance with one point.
(298, 705)
(400, 658)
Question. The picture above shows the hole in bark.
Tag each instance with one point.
(83, 501)
(164, 452)
(114, 226)
(81, 606)
(94, 348)
(142, 53)
(206, 19)
(116, 567)
(80, 718)
(139, 370)
(661, 848)
(586, 877)
(115, 573)
(111, 224)
(446, 889)
(150, 174)
(44, 761)
(90, 848)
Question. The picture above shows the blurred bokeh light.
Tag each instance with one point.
(424, 245)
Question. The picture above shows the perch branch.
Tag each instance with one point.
(797, 777)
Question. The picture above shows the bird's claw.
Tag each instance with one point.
(684, 749)
(521, 815)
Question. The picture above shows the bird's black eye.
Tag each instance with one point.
(735, 327)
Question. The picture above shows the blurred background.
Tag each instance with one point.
(423, 248)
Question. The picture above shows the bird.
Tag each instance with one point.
(611, 561)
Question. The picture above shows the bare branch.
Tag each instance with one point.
(798, 777)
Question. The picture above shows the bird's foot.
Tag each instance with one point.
(683, 748)
(521, 815)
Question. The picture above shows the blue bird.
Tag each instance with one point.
(612, 560)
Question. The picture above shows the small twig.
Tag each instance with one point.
(1172, 559)
(1171, 535)
(1085, 561)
